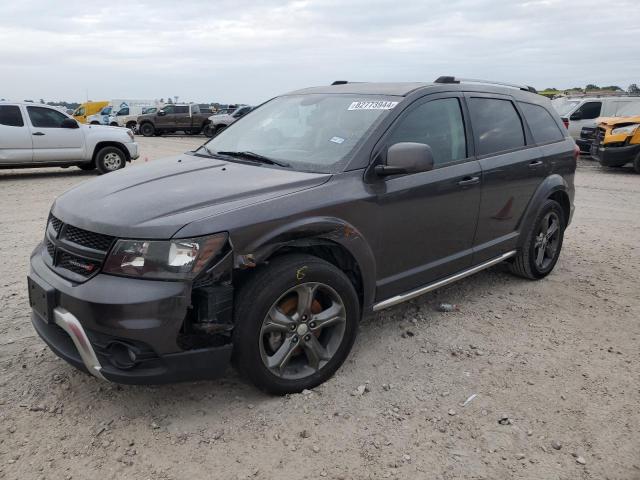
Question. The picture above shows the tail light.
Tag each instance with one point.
(566, 122)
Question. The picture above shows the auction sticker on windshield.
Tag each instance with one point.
(372, 105)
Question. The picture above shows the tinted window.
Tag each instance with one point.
(496, 125)
(182, 109)
(589, 110)
(10, 115)
(542, 125)
(169, 109)
(438, 124)
(45, 117)
(123, 111)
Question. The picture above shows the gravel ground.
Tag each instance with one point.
(553, 365)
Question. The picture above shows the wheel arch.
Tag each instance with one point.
(107, 143)
(332, 240)
(553, 187)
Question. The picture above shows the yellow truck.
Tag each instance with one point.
(88, 108)
(617, 139)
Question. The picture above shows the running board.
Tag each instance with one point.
(390, 302)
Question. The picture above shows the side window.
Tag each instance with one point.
(10, 116)
(123, 111)
(496, 125)
(169, 109)
(45, 117)
(542, 125)
(79, 112)
(589, 110)
(437, 123)
(181, 109)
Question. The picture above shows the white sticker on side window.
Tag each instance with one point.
(337, 140)
(372, 105)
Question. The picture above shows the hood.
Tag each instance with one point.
(156, 200)
(222, 116)
(609, 121)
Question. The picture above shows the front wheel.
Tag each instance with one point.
(295, 323)
(208, 130)
(147, 130)
(542, 244)
(110, 159)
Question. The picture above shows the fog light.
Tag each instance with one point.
(122, 356)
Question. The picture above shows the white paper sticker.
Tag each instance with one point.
(372, 105)
(337, 140)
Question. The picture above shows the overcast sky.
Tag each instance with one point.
(249, 51)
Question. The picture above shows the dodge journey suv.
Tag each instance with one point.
(266, 246)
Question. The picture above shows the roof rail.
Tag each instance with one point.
(340, 82)
(450, 79)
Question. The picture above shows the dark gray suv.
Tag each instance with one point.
(267, 245)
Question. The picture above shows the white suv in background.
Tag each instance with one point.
(34, 135)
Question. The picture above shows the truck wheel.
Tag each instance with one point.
(542, 243)
(132, 126)
(147, 130)
(110, 159)
(636, 163)
(295, 323)
(208, 130)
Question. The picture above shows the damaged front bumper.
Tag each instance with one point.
(133, 331)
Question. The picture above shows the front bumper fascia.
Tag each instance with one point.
(132, 147)
(617, 156)
(145, 315)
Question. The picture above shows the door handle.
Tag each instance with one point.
(469, 181)
(535, 163)
(38, 134)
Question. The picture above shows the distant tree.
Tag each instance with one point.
(614, 88)
(175, 98)
(42, 101)
(30, 101)
(591, 86)
(633, 88)
(169, 100)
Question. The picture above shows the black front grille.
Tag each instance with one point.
(72, 252)
(97, 241)
(588, 133)
(55, 223)
(78, 265)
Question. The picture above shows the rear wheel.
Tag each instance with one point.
(296, 321)
(542, 244)
(132, 126)
(208, 130)
(110, 159)
(147, 130)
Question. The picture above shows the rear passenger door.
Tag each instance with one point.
(512, 168)
(15, 138)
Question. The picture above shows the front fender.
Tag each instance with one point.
(315, 231)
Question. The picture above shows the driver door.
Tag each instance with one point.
(427, 220)
(52, 142)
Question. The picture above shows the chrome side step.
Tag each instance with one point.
(403, 297)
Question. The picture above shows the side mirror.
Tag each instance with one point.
(406, 157)
(69, 123)
(161, 113)
(576, 116)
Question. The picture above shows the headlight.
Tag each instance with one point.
(163, 260)
(626, 130)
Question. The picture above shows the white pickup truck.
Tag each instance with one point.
(34, 135)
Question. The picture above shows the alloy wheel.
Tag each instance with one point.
(302, 330)
(546, 241)
(112, 161)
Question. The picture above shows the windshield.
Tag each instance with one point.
(315, 132)
(564, 106)
(106, 111)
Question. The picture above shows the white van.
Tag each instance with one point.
(121, 112)
(578, 112)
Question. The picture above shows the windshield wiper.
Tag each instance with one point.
(212, 154)
(256, 157)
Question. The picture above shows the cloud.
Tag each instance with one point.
(247, 51)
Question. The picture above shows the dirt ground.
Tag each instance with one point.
(554, 366)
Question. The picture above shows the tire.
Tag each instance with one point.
(208, 130)
(636, 163)
(278, 284)
(527, 262)
(110, 159)
(87, 166)
(147, 129)
(133, 126)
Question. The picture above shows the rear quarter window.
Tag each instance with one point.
(542, 125)
(11, 116)
(496, 125)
